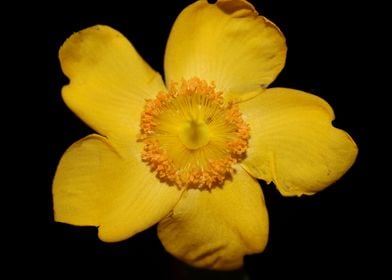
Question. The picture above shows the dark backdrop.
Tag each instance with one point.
(328, 231)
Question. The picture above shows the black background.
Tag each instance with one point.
(328, 232)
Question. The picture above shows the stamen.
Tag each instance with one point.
(191, 137)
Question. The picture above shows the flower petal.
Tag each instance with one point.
(109, 80)
(94, 186)
(215, 229)
(293, 142)
(227, 43)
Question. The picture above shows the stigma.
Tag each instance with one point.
(192, 137)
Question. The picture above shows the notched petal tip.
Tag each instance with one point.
(76, 49)
(294, 143)
(341, 156)
(237, 8)
(274, 26)
(242, 8)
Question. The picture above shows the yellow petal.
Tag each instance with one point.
(93, 185)
(109, 80)
(226, 42)
(215, 229)
(293, 142)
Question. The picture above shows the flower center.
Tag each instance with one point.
(194, 134)
(192, 137)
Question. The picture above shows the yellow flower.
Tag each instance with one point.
(187, 154)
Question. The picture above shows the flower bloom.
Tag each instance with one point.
(186, 154)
